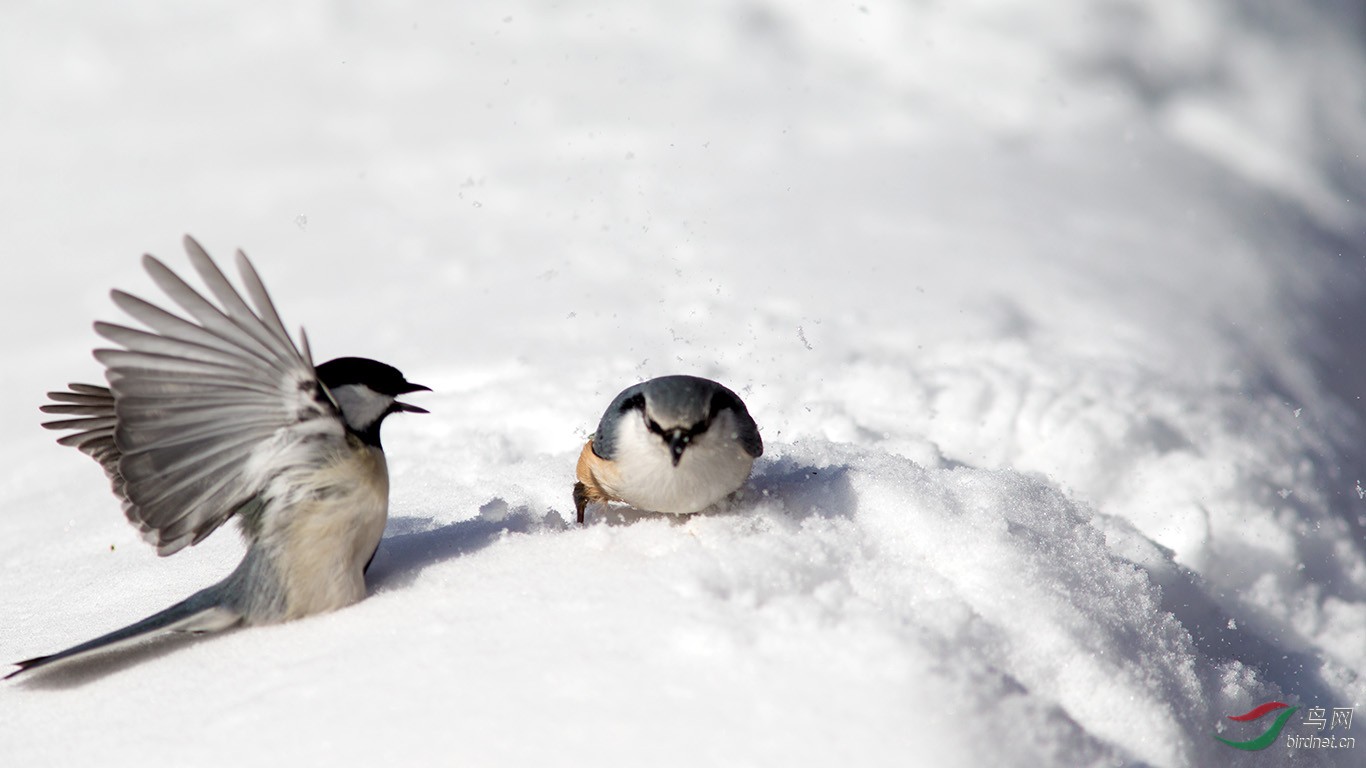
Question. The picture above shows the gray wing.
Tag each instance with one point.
(93, 408)
(749, 435)
(748, 430)
(201, 413)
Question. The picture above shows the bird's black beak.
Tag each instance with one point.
(405, 407)
(678, 441)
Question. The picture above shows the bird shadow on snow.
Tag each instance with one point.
(415, 545)
(803, 490)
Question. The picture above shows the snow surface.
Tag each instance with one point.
(1050, 314)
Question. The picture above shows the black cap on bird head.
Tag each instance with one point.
(349, 378)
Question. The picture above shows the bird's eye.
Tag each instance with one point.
(634, 403)
(654, 426)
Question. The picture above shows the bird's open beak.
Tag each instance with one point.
(678, 442)
(405, 407)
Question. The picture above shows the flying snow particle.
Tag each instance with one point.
(301, 221)
(801, 334)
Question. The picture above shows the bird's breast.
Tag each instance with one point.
(644, 475)
(325, 540)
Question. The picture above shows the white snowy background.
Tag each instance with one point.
(1051, 314)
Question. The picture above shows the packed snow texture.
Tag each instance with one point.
(1050, 314)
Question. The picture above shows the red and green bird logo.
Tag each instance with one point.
(1269, 737)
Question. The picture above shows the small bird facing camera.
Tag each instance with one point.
(675, 444)
(217, 414)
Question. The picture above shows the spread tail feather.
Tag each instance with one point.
(201, 612)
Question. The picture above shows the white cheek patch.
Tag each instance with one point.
(361, 406)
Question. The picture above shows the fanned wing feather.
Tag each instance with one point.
(172, 347)
(95, 429)
(264, 306)
(202, 412)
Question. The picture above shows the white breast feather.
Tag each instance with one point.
(713, 466)
(323, 536)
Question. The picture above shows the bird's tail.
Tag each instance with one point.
(203, 611)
